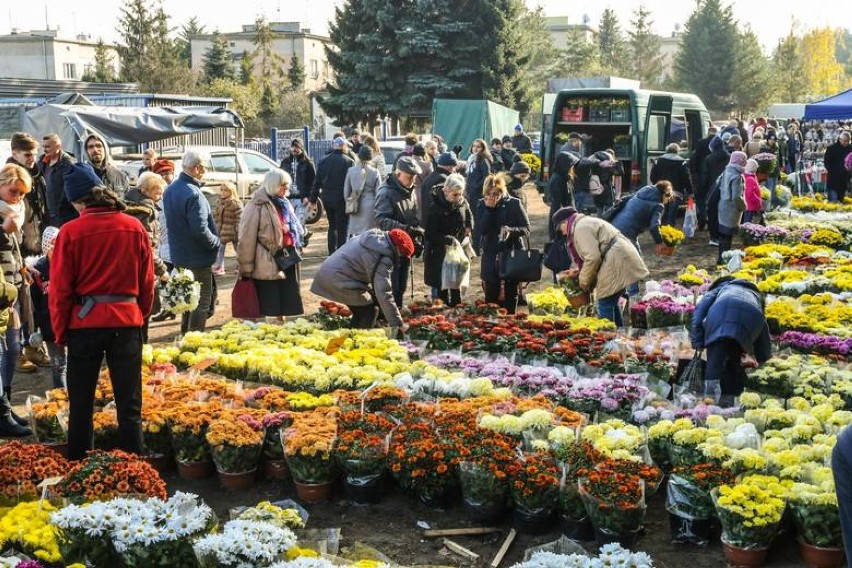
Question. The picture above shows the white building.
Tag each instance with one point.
(290, 38)
(562, 31)
(43, 55)
(669, 47)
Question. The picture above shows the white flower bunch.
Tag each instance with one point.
(246, 544)
(304, 562)
(181, 293)
(611, 555)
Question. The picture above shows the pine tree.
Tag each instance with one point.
(103, 72)
(296, 73)
(580, 58)
(706, 60)
(246, 68)
(752, 80)
(538, 44)
(136, 26)
(788, 65)
(611, 45)
(189, 29)
(218, 61)
(269, 66)
(645, 57)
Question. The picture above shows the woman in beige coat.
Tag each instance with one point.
(603, 259)
(267, 226)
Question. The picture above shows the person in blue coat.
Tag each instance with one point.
(728, 322)
(841, 467)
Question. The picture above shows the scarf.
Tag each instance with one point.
(575, 257)
(285, 210)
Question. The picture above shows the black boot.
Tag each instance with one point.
(9, 428)
(7, 394)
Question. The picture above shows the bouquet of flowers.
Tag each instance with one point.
(533, 161)
(235, 443)
(749, 514)
(362, 445)
(106, 429)
(273, 423)
(273, 514)
(616, 439)
(245, 543)
(816, 514)
(104, 475)
(610, 555)
(614, 499)
(332, 315)
(23, 467)
(484, 474)
(181, 293)
(307, 446)
(534, 483)
(671, 236)
(549, 301)
(573, 457)
(664, 312)
(755, 234)
(27, 528)
(49, 419)
(683, 445)
(767, 162)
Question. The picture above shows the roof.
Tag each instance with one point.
(838, 107)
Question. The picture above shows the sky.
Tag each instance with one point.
(770, 20)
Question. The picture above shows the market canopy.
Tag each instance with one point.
(73, 117)
(838, 107)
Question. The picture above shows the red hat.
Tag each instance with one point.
(402, 241)
(163, 167)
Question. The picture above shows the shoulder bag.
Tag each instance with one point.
(520, 265)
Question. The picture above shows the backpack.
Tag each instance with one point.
(609, 214)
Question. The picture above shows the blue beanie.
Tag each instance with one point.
(79, 181)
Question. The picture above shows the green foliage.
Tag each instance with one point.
(103, 71)
(218, 62)
(788, 67)
(296, 73)
(843, 51)
(612, 47)
(580, 58)
(246, 97)
(706, 59)
(646, 61)
(189, 29)
(246, 68)
(269, 66)
(753, 79)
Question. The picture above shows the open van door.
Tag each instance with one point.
(658, 123)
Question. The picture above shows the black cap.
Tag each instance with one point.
(448, 159)
(520, 167)
(406, 164)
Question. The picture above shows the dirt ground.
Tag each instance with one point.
(392, 525)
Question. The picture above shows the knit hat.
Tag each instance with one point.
(365, 153)
(751, 166)
(448, 159)
(406, 164)
(419, 149)
(520, 167)
(562, 215)
(297, 143)
(80, 179)
(339, 142)
(519, 127)
(48, 239)
(738, 158)
(402, 241)
(506, 139)
(163, 167)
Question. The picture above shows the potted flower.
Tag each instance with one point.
(27, 529)
(50, 422)
(361, 452)
(274, 464)
(615, 502)
(577, 297)
(156, 437)
(573, 455)
(127, 475)
(332, 315)
(235, 444)
(24, 467)
(817, 519)
(767, 165)
(105, 425)
(423, 462)
(534, 483)
(307, 449)
(671, 237)
(188, 425)
(689, 503)
(484, 474)
(750, 516)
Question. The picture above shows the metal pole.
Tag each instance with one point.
(273, 144)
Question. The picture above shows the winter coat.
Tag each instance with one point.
(498, 165)
(732, 309)
(477, 171)
(261, 236)
(40, 272)
(837, 176)
(11, 259)
(730, 194)
(561, 185)
(59, 209)
(227, 216)
(696, 162)
(432, 186)
(522, 143)
(754, 202)
(396, 206)
(583, 174)
(507, 213)
(112, 177)
(35, 217)
(303, 177)
(642, 211)
(148, 213)
(331, 175)
(509, 156)
(515, 187)
(107, 253)
(368, 178)
(422, 195)
(445, 220)
(714, 164)
(380, 165)
(361, 265)
(193, 240)
(672, 168)
(619, 268)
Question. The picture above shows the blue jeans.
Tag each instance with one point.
(608, 308)
(841, 465)
(582, 201)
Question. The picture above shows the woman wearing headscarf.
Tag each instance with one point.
(268, 225)
(731, 201)
(604, 260)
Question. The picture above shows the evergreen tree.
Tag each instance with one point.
(296, 73)
(246, 68)
(844, 52)
(788, 66)
(753, 79)
(611, 45)
(580, 58)
(646, 60)
(189, 29)
(218, 61)
(103, 72)
(538, 44)
(269, 66)
(706, 60)
(135, 27)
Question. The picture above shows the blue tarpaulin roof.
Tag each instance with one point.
(838, 107)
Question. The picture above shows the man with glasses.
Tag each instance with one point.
(98, 153)
(193, 238)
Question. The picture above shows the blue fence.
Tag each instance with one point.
(278, 145)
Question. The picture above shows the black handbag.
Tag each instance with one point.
(520, 265)
(287, 257)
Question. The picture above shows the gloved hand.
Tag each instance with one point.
(415, 231)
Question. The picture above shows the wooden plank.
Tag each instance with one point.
(461, 532)
(459, 549)
(503, 549)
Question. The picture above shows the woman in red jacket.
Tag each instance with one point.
(101, 290)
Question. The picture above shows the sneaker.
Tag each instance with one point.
(25, 365)
(36, 356)
(713, 243)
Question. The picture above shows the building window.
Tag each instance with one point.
(69, 71)
(314, 69)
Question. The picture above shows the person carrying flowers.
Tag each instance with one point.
(753, 199)
(729, 322)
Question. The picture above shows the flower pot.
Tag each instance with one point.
(626, 540)
(485, 513)
(744, 557)
(313, 492)
(60, 448)
(819, 557)
(689, 531)
(237, 481)
(161, 462)
(275, 469)
(579, 530)
(664, 250)
(532, 523)
(578, 300)
(195, 470)
(367, 492)
(441, 499)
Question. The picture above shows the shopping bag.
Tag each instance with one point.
(244, 302)
(691, 380)
(455, 272)
(520, 265)
(690, 219)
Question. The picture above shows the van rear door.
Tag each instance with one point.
(657, 133)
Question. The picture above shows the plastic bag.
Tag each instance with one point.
(690, 219)
(455, 272)
(691, 380)
(690, 511)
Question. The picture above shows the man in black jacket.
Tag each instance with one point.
(714, 165)
(508, 153)
(672, 168)
(396, 208)
(328, 186)
(445, 165)
(520, 141)
(837, 176)
(302, 172)
(696, 171)
(98, 154)
(53, 164)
